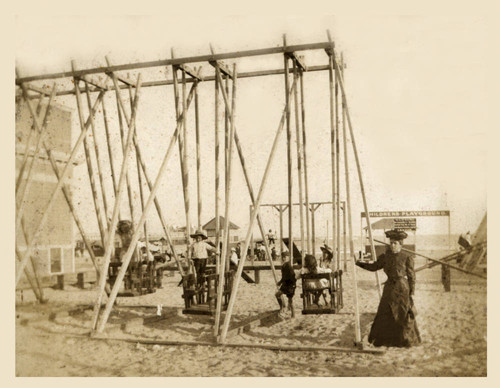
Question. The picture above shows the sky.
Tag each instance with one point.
(416, 90)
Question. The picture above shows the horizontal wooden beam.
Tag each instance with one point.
(177, 61)
(303, 348)
(251, 74)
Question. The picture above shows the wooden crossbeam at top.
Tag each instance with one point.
(178, 61)
(250, 74)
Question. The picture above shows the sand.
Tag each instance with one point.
(52, 339)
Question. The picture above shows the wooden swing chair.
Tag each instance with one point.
(142, 276)
(314, 289)
(200, 295)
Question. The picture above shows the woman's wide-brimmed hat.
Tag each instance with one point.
(199, 232)
(395, 234)
(326, 249)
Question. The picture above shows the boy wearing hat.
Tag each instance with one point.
(199, 252)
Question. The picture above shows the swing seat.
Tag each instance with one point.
(316, 286)
(201, 298)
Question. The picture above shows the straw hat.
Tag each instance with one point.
(199, 232)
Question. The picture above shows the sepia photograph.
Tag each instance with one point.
(250, 195)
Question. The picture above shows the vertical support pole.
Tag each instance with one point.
(337, 171)
(217, 169)
(333, 157)
(299, 163)
(182, 164)
(198, 155)
(357, 327)
(288, 154)
(120, 112)
(90, 168)
(225, 246)
(344, 231)
(304, 153)
(108, 145)
(97, 156)
(280, 209)
(358, 165)
(141, 189)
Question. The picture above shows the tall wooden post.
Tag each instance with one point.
(337, 171)
(227, 225)
(97, 155)
(184, 173)
(217, 169)
(120, 108)
(358, 164)
(304, 153)
(299, 163)
(333, 157)
(288, 154)
(198, 155)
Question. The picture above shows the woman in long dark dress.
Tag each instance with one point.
(394, 324)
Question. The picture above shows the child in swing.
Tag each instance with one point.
(311, 267)
(286, 289)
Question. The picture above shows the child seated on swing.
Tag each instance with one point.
(286, 288)
(311, 267)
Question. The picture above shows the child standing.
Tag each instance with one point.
(286, 288)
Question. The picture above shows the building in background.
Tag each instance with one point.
(54, 249)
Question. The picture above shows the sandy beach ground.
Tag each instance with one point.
(52, 339)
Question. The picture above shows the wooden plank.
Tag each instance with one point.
(147, 341)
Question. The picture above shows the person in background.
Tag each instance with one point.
(286, 289)
(270, 237)
(274, 255)
(326, 257)
(394, 324)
